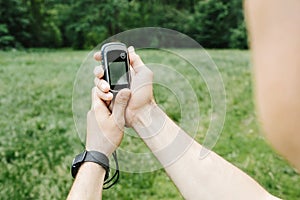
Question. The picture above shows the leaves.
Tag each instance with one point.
(84, 24)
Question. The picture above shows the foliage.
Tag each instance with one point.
(38, 138)
(238, 37)
(30, 23)
(15, 24)
(82, 24)
(219, 24)
(210, 23)
(95, 21)
(5, 38)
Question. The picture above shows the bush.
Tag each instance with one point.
(51, 36)
(238, 38)
(6, 40)
(83, 24)
(210, 26)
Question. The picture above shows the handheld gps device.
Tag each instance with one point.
(116, 66)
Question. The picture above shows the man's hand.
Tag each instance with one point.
(104, 134)
(105, 129)
(141, 86)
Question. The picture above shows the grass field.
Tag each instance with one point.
(38, 139)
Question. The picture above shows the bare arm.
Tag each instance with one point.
(274, 29)
(211, 177)
(208, 178)
(89, 182)
(104, 134)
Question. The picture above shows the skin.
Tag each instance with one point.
(104, 134)
(208, 178)
(274, 30)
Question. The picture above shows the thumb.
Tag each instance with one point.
(135, 60)
(120, 105)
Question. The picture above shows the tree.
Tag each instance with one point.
(85, 23)
(209, 25)
(14, 22)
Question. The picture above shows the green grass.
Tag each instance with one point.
(38, 139)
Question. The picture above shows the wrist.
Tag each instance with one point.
(94, 148)
(100, 144)
(94, 167)
(143, 117)
(163, 137)
(93, 157)
(154, 127)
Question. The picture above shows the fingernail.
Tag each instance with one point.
(103, 86)
(97, 70)
(109, 95)
(97, 55)
(131, 49)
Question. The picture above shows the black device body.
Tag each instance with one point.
(116, 66)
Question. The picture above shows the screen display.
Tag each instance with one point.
(118, 68)
(117, 72)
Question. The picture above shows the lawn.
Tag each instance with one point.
(38, 139)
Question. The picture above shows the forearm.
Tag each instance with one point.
(88, 182)
(211, 177)
(274, 30)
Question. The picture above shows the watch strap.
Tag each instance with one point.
(90, 156)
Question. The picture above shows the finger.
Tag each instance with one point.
(135, 60)
(97, 56)
(105, 96)
(101, 84)
(132, 72)
(98, 71)
(98, 106)
(120, 104)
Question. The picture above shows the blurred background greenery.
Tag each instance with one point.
(38, 139)
(81, 24)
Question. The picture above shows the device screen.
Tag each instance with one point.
(117, 71)
(117, 66)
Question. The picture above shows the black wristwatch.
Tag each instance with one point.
(90, 156)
